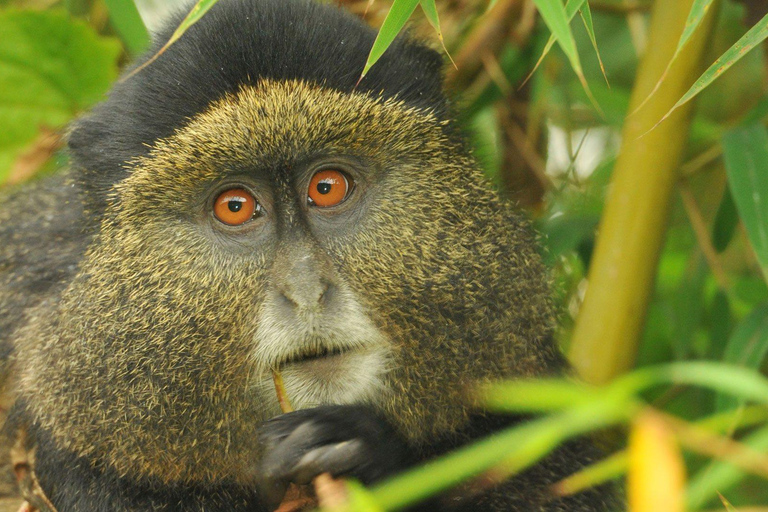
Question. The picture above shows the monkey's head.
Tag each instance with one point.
(256, 211)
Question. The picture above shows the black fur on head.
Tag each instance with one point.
(277, 39)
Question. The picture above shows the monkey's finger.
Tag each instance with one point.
(283, 456)
(275, 430)
(336, 459)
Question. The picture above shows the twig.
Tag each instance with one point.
(702, 235)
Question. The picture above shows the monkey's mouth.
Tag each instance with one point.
(313, 354)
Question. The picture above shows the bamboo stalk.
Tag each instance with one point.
(631, 232)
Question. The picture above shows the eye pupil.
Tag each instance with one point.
(324, 188)
(235, 206)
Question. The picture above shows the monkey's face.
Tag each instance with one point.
(345, 241)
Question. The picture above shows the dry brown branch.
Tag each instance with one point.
(701, 230)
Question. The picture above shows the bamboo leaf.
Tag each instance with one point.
(396, 19)
(586, 16)
(430, 11)
(593, 475)
(719, 476)
(571, 8)
(616, 464)
(727, 504)
(125, 17)
(557, 20)
(554, 15)
(516, 447)
(747, 347)
(723, 378)
(698, 11)
(194, 15)
(535, 395)
(745, 149)
(748, 41)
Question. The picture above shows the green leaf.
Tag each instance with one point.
(745, 149)
(396, 19)
(747, 347)
(586, 16)
(726, 220)
(719, 476)
(512, 450)
(359, 499)
(51, 68)
(698, 11)
(126, 19)
(430, 11)
(751, 39)
(723, 378)
(194, 15)
(557, 20)
(535, 395)
(571, 8)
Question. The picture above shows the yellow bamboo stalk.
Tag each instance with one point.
(631, 232)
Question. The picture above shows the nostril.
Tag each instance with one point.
(325, 293)
(285, 297)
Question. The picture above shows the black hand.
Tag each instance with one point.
(340, 440)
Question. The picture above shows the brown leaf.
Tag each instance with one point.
(35, 156)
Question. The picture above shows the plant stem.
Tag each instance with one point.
(631, 232)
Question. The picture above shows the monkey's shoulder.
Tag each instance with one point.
(43, 236)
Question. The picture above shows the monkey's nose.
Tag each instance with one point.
(304, 283)
(306, 294)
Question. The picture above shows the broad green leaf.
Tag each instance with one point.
(752, 38)
(698, 11)
(747, 347)
(194, 15)
(51, 68)
(719, 476)
(126, 19)
(745, 149)
(396, 19)
(430, 11)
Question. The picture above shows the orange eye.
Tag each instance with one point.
(328, 188)
(235, 206)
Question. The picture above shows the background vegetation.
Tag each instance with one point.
(661, 283)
